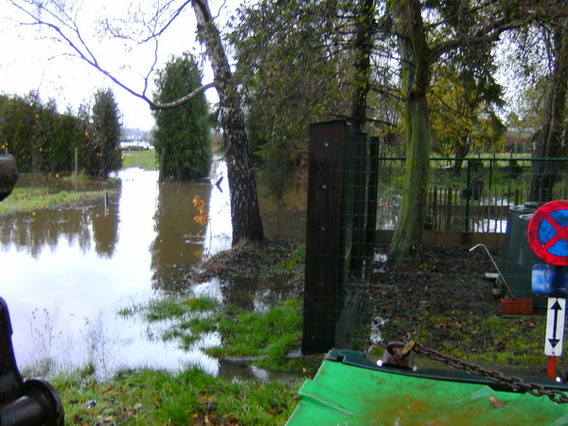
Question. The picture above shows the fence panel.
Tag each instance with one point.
(472, 199)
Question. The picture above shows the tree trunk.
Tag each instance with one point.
(363, 47)
(415, 80)
(408, 232)
(458, 165)
(245, 212)
(462, 149)
(364, 212)
(549, 140)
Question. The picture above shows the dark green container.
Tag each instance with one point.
(518, 257)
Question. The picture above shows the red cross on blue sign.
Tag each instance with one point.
(548, 232)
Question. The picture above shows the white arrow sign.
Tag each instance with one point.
(554, 326)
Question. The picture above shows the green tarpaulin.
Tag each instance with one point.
(344, 393)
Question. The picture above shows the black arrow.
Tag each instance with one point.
(556, 307)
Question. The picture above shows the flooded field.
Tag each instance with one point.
(66, 274)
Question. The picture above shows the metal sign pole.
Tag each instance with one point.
(554, 332)
(551, 368)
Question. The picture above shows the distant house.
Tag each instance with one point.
(135, 145)
(520, 139)
(517, 145)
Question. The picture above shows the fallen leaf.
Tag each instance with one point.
(497, 403)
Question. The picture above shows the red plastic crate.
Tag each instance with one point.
(517, 306)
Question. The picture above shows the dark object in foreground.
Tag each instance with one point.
(8, 175)
(33, 402)
(30, 402)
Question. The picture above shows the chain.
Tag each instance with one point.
(495, 376)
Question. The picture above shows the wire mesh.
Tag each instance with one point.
(354, 194)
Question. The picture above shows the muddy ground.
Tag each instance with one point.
(441, 281)
(436, 297)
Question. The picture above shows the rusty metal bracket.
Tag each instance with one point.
(398, 354)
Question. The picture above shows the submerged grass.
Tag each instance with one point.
(191, 396)
(159, 397)
(263, 336)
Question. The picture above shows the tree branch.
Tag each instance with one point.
(67, 32)
(181, 101)
(168, 23)
(492, 32)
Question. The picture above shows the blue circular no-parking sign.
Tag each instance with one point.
(548, 232)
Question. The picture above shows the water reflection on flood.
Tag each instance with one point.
(65, 274)
(180, 240)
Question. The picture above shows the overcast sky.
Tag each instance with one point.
(29, 61)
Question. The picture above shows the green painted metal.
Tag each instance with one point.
(346, 394)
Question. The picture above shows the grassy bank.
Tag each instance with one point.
(494, 340)
(30, 199)
(191, 396)
(36, 198)
(157, 397)
(442, 298)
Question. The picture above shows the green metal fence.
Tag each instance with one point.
(472, 198)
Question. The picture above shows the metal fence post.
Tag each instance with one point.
(468, 192)
(334, 185)
(323, 233)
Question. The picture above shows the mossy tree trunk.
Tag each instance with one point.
(415, 70)
(550, 143)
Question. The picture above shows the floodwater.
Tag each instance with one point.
(65, 274)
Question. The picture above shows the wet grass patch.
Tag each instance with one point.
(181, 318)
(265, 337)
(159, 397)
(268, 335)
(36, 199)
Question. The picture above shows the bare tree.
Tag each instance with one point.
(60, 19)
